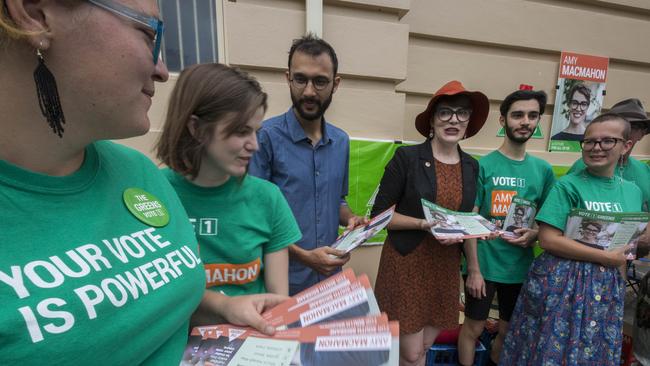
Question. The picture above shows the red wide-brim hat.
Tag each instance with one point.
(480, 109)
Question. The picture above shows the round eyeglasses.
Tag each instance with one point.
(574, 104)
(605, 144)
(446, 114)
(300, 81)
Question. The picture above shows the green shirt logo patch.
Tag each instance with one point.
(146, 207)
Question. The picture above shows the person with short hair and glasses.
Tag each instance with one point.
(578, 103)
(638, 173)
(418, 275)
(498, 265)
(630, 168)
(99, 261)
(570, 309)
(307, 157)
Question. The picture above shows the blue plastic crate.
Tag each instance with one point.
(447, 355)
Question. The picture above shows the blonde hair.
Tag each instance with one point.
(213, 94)
(8, 29)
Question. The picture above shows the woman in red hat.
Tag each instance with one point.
(418, 276)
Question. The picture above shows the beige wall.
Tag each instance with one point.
(495, 46)
(395, 53)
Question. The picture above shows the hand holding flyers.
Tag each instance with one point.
(526, 237)
(521, 215)
(451, 227)
(617, 257)
(451, 241)
(608, 231)
(351, 239)
(325, 260)
(246, 309)
(335, 322)
(356, 221)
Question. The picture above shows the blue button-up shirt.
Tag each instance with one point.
(314, 180)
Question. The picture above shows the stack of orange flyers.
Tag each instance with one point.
(335, 322)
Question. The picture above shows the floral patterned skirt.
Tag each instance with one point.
(568, 313)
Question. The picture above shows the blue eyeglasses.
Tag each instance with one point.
(155, 24)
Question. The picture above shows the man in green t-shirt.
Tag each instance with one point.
(500, 265)
(631, 169)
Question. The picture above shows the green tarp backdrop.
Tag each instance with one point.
(367, 162)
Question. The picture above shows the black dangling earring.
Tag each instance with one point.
(48, 95)
(620, 166)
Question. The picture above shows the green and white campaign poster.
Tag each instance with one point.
(367, 161)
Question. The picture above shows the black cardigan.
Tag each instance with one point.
(410, 176)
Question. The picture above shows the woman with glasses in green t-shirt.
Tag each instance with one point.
(570, 309)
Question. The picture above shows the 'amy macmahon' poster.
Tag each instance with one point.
(578, 100)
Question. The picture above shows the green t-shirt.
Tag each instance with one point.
(634, 171)
(236, 225)
(82, 280)
(586, 191)
(499, 180)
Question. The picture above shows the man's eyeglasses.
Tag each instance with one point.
(462, 114)
(605, 144)
(591, 230)
(154, 24)
(519, 115)
(300, 81)
(574, 104)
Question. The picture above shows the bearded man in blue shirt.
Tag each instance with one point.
(307, 158)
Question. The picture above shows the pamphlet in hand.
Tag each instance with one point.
(224, 345)
(335, 322)
(364, 341)
(335, 282)
(350, 240)
(607, 230)
(371, 340)
(354, 300)
(521, 215)
(448, 224)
